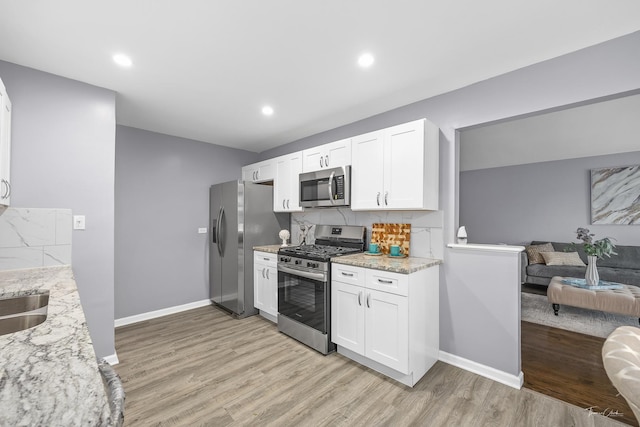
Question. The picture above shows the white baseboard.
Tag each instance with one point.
(112, 359)
(159, 313)
(502, 377)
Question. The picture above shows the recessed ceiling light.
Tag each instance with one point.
(122, 60)
(267, 110)
(366, 60)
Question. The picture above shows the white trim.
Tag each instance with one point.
(112, 359)
(159, 313)
(502, 377)
(486, 248)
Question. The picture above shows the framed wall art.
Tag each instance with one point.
(615, 195)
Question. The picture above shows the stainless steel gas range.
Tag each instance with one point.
(304, 284)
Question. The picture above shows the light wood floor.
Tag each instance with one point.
(202, 367)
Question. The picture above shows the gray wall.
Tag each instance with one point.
(602, 70)
(538, 201)
(162, 198)
(63, 148)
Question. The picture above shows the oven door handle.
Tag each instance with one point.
(307, 275)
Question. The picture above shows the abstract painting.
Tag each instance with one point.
(615, 195)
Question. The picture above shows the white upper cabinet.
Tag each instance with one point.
(326, 156)
(396, 168)
(5, 147)
(286, 192)
(259, 172)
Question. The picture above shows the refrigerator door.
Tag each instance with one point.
(215, 258)
(230, 238)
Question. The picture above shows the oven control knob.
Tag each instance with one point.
(298, 262)
(312, 264)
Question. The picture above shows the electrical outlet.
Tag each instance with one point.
(202, 230)
(78, 222)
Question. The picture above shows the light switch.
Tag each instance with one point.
(78, 222)
(202, 230)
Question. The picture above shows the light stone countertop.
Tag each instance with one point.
(383, 262)
(49, 374)
(272, 249)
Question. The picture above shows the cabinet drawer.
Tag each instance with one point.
(265, 258)
(385, 281)
(348, 274)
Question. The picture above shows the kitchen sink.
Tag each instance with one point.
(22, 312)
(9, 325)
(23, 304)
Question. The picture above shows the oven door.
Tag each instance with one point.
(303, 297)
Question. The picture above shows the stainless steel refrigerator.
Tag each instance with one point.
(241, 218)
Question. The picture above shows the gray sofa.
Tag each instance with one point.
(621, 268)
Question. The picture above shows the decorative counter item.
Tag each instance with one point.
(462, 235)
(284, 235)
(386, 235)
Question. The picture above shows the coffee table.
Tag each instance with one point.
(625, 301)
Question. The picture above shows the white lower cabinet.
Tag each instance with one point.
(265, 284)
(386, 321)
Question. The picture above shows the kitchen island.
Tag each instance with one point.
(49, 375)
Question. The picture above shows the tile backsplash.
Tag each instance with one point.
(427, 237)
(34, 237)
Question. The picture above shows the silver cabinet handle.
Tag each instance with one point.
(266, 259)
(360, 298)
(386, 196)
(321, 165)
(346, 274)
(258, 174)
(6, 189)
(263, 273)
(326, 160)
(386, 282)
(287, 203)
(368, 300)
(283, 202)
(267, 273)
(378, 198)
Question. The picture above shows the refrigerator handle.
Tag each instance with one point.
(217, 232)
(220, 242)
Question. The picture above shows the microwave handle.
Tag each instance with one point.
(331, 177)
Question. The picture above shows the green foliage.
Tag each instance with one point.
(599, 248)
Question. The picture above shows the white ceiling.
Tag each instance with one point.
(203, 69)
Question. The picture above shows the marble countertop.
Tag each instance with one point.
(385, 263)
(49, 374)
(272, 249)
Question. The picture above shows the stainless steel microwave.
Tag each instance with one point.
(326, 188)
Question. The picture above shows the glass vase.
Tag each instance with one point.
(591, 276)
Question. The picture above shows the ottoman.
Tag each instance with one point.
(625, 301)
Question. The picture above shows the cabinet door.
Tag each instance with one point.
(266, 171)
(338, 153)
(286, 197)
(367, 154)
(403, 166)
(271, 289)
(259, 279)
(347, 316)
(249, 173)
(387, 329)
(281, 185)
(5, 148)
(313, 159)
